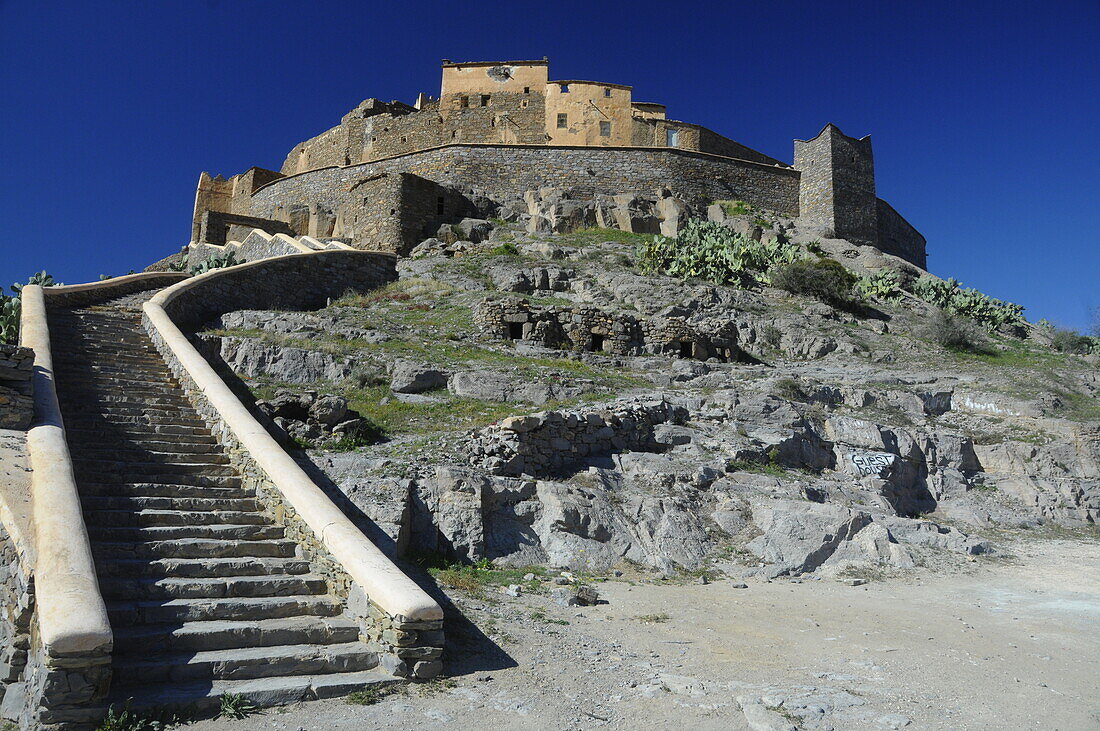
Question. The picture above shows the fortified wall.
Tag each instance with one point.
(390, 173)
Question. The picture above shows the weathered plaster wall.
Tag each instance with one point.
(585, 106)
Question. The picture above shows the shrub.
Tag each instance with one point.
(1070, 341)
(824, 279)
(506, 249)
(710, 251)
(884, 284)
(41, 278)
(955, 332)
(217, 262)
(957, 300)
(365, 376)
(236, 706)
(9, 319)
(735, 208)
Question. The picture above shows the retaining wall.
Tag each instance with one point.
(504, 172)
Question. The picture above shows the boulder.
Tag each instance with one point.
(412, 377)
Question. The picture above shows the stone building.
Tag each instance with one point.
(391, 172)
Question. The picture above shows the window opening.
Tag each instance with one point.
(515, 331)
(607, 92)
(484, 100)
(672, 137)
(597, 343)
(563, 121)
(565, 88)
(685, 350)
(605, 129)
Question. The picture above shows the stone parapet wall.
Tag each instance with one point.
(550, 442)
(504, 172)
(298, 282)
(16, 402)
(898, 237)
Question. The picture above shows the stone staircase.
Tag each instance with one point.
(205, 594)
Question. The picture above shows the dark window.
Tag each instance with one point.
(484, 100)
(404, 138)
(439, 206)
(607, 92)
(605, 129)
(454, 134)
(464, 101)
(515, 331)
(527, 90)
(563, 121)
(523, 103)
(393, 211)
(597, 343)
(493, 122)
(685, 350)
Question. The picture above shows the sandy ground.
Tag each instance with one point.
(1003, 643)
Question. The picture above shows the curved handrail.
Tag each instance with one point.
(382, 581)
(72, 617)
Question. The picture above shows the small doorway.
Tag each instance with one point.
(686, 350)
(597, 343)
(515, 331)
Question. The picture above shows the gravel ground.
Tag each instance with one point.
(1006, 643)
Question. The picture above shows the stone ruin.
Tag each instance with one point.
(584, 328)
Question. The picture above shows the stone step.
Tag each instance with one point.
(133, 370)
(181, 412)
(145, 640)
(134, 502)
(212, 588)
(198, 454)
(235, 608)
(92, 424)
(99, 381)
(96, 482)
(124, 396)
(155, 489)
(110, 444)
(135, 469)
(198, 548)
(219, 532)
(201, 568)
(246, 663)
(143, 440)
(190, 425)
(172, 517)
(204, 697)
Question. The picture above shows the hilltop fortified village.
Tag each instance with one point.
(452, 376)
(389, 174)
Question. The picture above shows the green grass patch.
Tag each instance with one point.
(371, 694)
(595, 236)
(475, 578)
(653, 618)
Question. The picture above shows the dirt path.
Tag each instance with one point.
(1004, 644)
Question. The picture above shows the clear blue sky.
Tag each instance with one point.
(984, 115)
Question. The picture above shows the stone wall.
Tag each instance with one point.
(300, 282)
(398, 211)
(16, 396)
(504, 172)
(898, 237)
(217, 228)
(550, 442)
(586, 328)
(16, 613)
(837, 192)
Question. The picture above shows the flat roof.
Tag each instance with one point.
(590, 83)
(448, 63)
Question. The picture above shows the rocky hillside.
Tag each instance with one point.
(533, 394)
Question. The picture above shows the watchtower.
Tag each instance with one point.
(837, 190)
